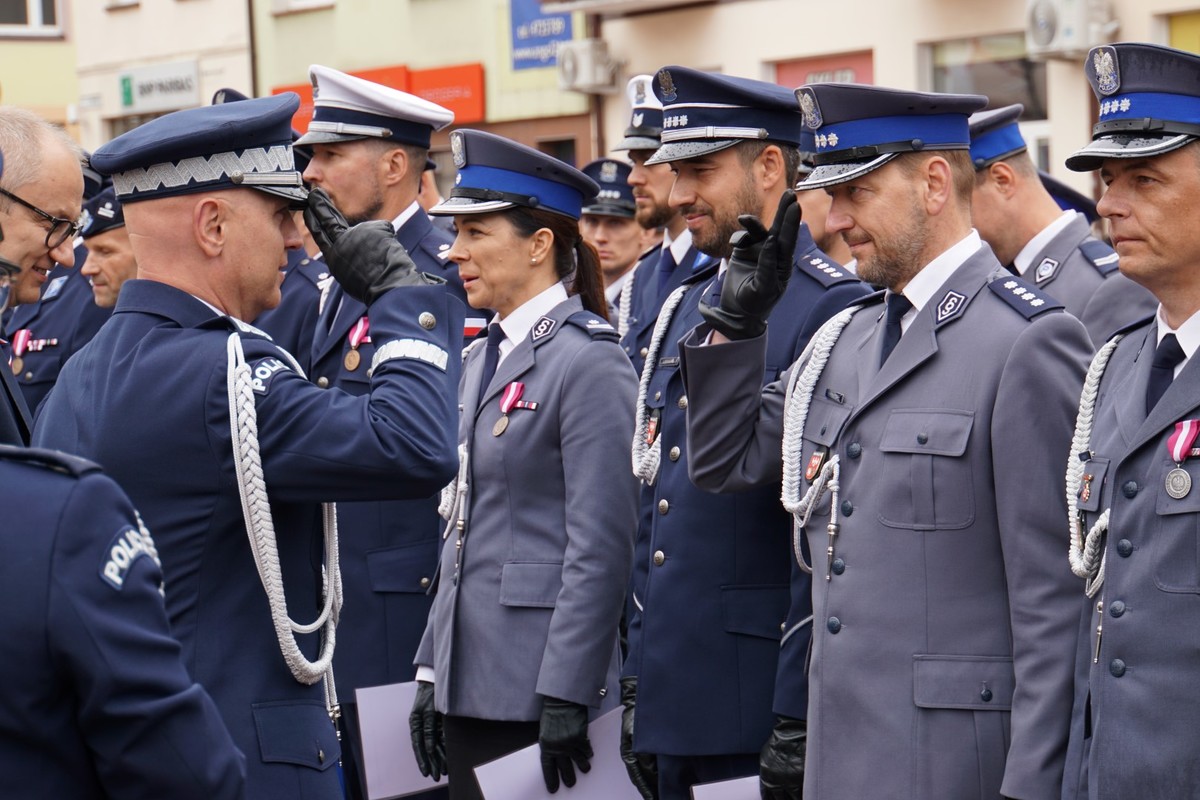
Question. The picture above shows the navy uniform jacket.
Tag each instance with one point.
(292, 323)
(15, 419)
(1134, 731)
(529, 604)
(64, 320)
(147, 398)
(944, 635)
(646, 300)
(1080, 271)
(389, 549)
(96, 701)
(715, 602)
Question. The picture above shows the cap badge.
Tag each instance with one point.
(608, 172)
(810, 109)
(458, 149)
(667, 85)
(638, 118)
(639, 92)
(85, 220)
(1108, 76)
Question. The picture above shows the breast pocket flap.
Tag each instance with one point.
(979, 683)
(296, 732)
(530, 584)
(927, 432)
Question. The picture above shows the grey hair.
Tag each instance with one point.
(24, 137)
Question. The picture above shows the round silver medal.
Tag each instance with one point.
(1179, 483)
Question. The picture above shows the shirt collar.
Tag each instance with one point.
(679, 245)
(518, 324)
(1188, 334)
(612, 292)
(1037, 244)
(405, 216)
(925, 284)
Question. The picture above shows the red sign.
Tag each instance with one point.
(840, 68)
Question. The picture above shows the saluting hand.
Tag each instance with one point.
(563, 738)
(758, 272)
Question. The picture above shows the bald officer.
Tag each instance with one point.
(918, 459)
(221, 443)
(97, 703)
(1051, 247)
(1132, 466)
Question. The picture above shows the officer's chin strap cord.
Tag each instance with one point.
(625, 305)
(646, 455)
(260, 528)
(1087, 552)
(795, 413)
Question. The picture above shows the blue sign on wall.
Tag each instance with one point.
(535, 35)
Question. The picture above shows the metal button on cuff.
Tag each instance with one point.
(323, 382)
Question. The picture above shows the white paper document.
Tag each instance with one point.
(388, 757)
(736, 789)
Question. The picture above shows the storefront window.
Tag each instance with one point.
(996, 66)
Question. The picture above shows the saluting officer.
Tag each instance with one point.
(712, 606)
(608, 224)
(1132, 468)
(663, 269)
(97, 702)
(918, 439)
(521, 643)
(219, 440)
(1051, 247)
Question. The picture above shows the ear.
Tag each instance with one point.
(210, 218)
(939, 184)
(541, 243)
(395, 166)
(1003, 178)
(769, 169)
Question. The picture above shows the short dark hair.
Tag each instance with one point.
(751, 149)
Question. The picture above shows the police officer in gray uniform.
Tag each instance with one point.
(1132, 466)
(918, 457)
(1051, 247)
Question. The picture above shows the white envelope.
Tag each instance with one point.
(736, 789)
(388, 756)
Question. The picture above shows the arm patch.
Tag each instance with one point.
(263, 373)
(126, 548)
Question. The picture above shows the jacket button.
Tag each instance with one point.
(683, 402)
(658, 395)
(847, 508)
(323, 382)
(1116, 608)
(427, 320)
(1124, 548)
(424, 583)
(663, 506)
(673, 454)
(644, 351)
(659, 558)
(1130, 489)
(986, 695)
(1116, 667)
(922, 438)
(603, 691)
(320, 756)
(28, 376)
(838, 566)
(854, 450)
(834, 624)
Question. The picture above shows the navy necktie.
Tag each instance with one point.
(1162, 370)
(713, 299)
(666, 265)
(897, 306)
(491, 357)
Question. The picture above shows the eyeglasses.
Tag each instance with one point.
(60, 229)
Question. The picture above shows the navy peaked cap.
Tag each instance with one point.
(646, 117)
(1149, 99)
(102, 213)
(93, 181)
(301, 155)
(1068, 198)
(995, 135)
(856, 129)
(615, 198)
(246, 144)
(704, 112)
(495, 173)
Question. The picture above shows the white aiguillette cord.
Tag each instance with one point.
(646, 455)
(260, 529)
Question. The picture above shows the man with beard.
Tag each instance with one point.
(608, 225)
(919, 442)
(664, 268)
(713, 622)
(41, 194)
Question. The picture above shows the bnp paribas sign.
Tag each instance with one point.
(160, 87)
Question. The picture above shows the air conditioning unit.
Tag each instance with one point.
(585, 66)
(1066, 28)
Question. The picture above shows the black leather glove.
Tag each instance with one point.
(425, 725)
(365, 259)
(564, 741)
(758, 272)
(642, 767)
(781, 762)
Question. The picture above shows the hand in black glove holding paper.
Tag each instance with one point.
(563, 738)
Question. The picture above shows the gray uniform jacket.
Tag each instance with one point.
(944, 625)
(1134, 732)
(1080, 271)
(529, 594)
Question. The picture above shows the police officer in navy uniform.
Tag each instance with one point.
(608, 224)
(40, 201)
(1051, 247)
(521, 644)
(97, 702)
(917, 456)
(662, 269)
(1132, 468)
(221, 442)
(713, 609)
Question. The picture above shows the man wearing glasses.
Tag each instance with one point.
(40, 196)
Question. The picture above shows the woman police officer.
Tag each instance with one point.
(522, 637)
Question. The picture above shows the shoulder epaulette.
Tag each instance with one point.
(1133, 326)
(1100, 255)
(868, 300)
(1027, 299)
(649, 252)
(595, 325)
(822, 270)
(313, 270)
(49, 459)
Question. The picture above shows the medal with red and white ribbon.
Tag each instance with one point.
(358, 335)
(1179, 482)
(20, 343)
(509, 400)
